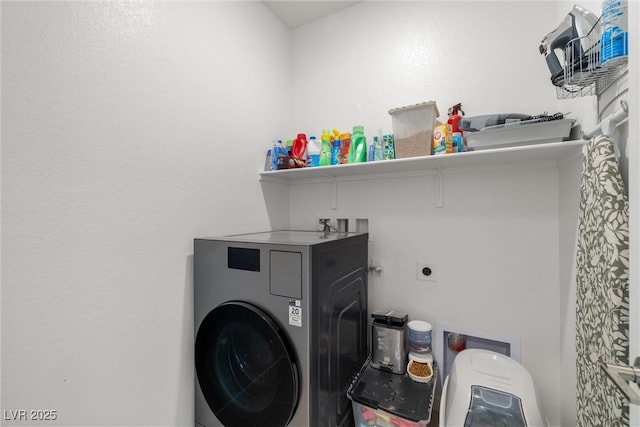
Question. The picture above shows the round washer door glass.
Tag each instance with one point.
(245, 367)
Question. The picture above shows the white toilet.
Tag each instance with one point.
(485, 388)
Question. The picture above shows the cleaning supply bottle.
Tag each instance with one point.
(456, 141)
(614, 38)
(313, 152)
(372, 150)
(378, 146)
(325, 153)
(278, 151)
(299, 150)
(335, 152)
(267, 162)
(455, 117)
(345, 141)
(358, 146)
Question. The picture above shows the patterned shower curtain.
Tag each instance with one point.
(602, 313)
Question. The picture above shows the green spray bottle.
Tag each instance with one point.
(358, 146)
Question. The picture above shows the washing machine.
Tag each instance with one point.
(280, 327)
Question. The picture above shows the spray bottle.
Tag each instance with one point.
(455, 117)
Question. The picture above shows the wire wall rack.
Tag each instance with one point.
(584, 74)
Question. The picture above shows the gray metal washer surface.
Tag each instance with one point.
(332, 274)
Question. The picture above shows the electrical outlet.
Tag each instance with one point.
(426, 271)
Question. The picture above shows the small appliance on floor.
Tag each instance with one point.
(485, 388)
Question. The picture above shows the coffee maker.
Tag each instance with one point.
(389, 343)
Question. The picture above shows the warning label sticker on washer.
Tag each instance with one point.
(295, 316)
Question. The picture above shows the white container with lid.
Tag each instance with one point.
(419, 335)
(413, 129)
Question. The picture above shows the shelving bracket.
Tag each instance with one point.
(439, 189)
(334, 194)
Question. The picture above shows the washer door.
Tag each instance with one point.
(245, 367)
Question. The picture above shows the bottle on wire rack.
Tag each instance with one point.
(614, 38)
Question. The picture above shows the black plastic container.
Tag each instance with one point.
(385, 395)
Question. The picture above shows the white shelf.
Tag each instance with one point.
(500, 158)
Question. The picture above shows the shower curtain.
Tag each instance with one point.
(602, 309)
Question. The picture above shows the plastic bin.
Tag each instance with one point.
(369, 417)
(518, 134)
(413, 129)
(383, 399)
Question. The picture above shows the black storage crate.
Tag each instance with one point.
(373, 391)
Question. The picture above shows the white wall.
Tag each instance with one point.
(496, 241)
(128, 129)
(352, 67)
(495, 251)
